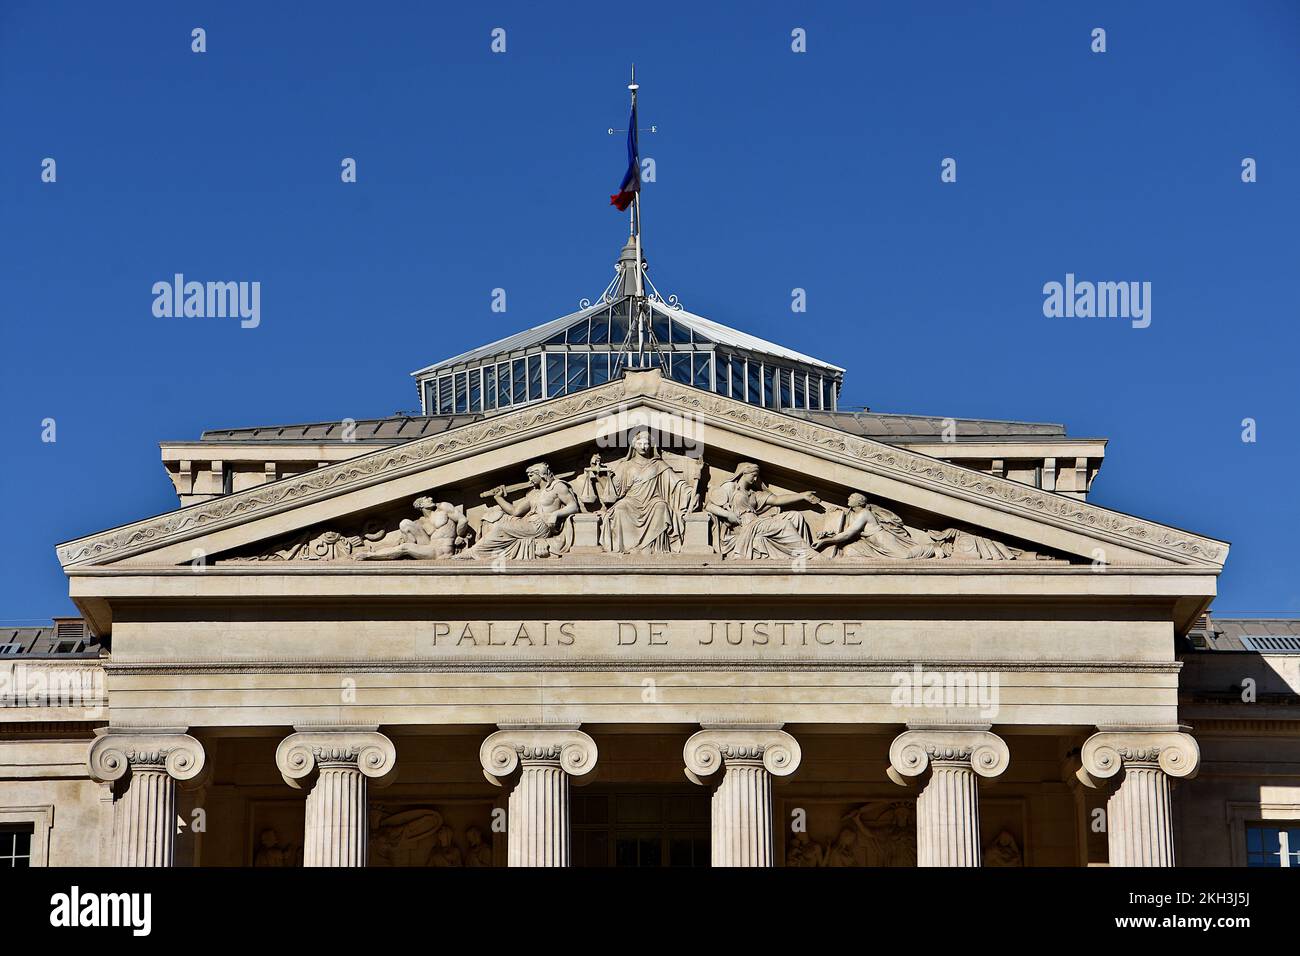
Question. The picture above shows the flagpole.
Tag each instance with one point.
(636, 200)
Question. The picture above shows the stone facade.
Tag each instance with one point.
(624, 625)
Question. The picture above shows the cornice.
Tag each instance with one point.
(429, 665)
(349, 475)
(421, 453)
(915, 468)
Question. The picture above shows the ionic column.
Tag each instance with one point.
(1139, 814)
(740, 763)
(948, 809)
(334, 767)
(537, 764)
(144, 768)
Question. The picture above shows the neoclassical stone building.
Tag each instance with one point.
(633, 589)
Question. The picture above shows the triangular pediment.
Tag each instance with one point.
(917, 509)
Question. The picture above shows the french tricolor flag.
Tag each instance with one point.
(631, 184)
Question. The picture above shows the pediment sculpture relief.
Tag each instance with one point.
(536, 526)
(865, 530)
(644, 503)
(441, 529)
(751, 523)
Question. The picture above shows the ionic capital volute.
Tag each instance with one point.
(513, 748)
(919, 749)
(709, 752)
(120, 751)
(303, 754)
(1114, 749)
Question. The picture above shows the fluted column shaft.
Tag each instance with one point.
(948, 808)
(1139, 812)
(740, 763)
(334, 767)
(742, 816)
(538, 816)
(537, 763)
(144, 767)
(337, 828)
(1140, 818)
(948, 817)
(144, 820)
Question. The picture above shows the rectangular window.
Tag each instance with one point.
(769, 386)
(446, 397)
(1269, 844)
(431, 396)
(660, 326)
(503, 385)
(814, 391)
(578, 333)
(534, 377)
(721, 369)
(800, 389)
(786, 392)
(520, 382)
(489, 387)
(754, 390)
(462, 394)
(618, 326)
(475, 402)
(554, 374)
(600, 368)
(737, 377)
(700, 374)
(681, 333)
(600, 328)
(577, 371)
(828, 394)
(16, 845)
(681, 367)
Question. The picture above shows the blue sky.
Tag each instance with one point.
(775, 170)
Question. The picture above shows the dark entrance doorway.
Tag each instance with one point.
(640, 826)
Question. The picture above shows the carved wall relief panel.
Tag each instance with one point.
(275, 833)
(837, 832)
(449, 834)
(877, 833)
